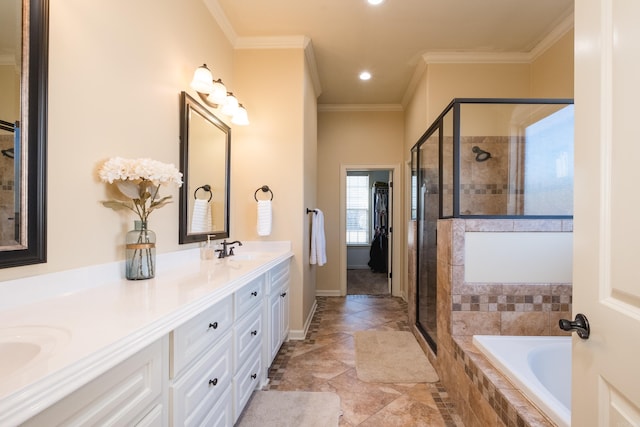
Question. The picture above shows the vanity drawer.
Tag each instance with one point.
(248, 296)
(247, 336)
(198, 334)
(245, 381)
(195, 394)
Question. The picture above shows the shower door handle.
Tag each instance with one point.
(580, 325)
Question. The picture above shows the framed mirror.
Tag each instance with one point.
(23, 131)
(205, 155)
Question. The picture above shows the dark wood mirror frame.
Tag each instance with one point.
(34, 84)
(187, 105)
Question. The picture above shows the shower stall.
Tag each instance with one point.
(487, 158)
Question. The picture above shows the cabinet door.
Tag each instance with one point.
(284, 314)
(124, 395)
(275, 325)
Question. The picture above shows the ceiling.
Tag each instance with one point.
(391, 40)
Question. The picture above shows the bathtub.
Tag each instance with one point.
(540, 367)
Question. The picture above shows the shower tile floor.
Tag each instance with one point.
(325, 361)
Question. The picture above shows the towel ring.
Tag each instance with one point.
(206, 188)
(264, 188)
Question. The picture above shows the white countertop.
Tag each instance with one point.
(86, 329)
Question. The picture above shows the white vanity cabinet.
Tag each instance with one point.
(277, 310)
(132, 393)
(199, 348)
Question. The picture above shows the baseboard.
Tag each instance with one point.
(330, 293)
(301, 335)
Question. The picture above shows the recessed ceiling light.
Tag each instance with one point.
(375, 2)
(365, 75)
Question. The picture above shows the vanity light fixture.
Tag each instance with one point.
(240, 117)
(365, 75)
(214, 93)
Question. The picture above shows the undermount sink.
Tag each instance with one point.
(244, 256)
(22, 346)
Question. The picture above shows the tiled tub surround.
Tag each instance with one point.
(106, 319)
(481, 394)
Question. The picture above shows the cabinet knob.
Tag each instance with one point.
(213, 382)
(254, 333)
(254, 376)
(213, 325)
(254, 293)
(284, 294)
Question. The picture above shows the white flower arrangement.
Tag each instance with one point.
(139, 180)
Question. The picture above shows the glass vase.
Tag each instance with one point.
(140, 252)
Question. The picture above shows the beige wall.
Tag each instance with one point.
(10, 90)
(353, 138)
(278, 150)
(448, 81)
(552, 72)
(115, 73)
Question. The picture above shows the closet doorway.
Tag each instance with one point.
(367, 200)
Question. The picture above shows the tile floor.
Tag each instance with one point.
(325, 361)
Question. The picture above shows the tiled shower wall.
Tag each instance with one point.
(481, 394)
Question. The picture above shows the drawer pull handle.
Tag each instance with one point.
(254, 376)
(254, 293)
(213, 325)
(213, 382)
(254, 333)
(284, 294)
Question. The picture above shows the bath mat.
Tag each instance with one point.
(391, 357)
(291, 409)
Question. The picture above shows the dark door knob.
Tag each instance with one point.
(580, 325)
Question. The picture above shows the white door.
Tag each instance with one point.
(606, 367)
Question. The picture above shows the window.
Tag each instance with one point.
(358, 210)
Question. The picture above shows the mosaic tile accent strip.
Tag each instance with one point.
(519, 303)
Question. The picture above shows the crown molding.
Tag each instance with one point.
(272, 42)
(563, 27)
(222, 20)
(475, 57)
(358, 107)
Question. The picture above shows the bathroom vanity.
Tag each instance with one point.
(186, 348)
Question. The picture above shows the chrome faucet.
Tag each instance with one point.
(223, 253)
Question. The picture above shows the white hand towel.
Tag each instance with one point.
(318, 244)
(264, 217)
(201, 216)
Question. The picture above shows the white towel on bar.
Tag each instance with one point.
(264, 217)
(318, 244)
(201, 216)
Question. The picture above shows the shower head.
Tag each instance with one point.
(481, 155)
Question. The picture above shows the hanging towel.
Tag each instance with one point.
(201, 217)
(318, 245)
(264, 217)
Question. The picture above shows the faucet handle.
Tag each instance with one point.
(231, 251)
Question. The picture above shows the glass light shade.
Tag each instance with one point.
(230, 105)
(202, 80)
(240, 117)
(219, 93)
